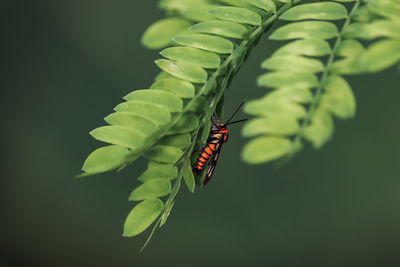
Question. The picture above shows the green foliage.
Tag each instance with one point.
(204, 43)
(306, 74)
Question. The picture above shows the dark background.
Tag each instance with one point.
(66, 64)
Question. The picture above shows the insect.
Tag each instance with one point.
(218, 136)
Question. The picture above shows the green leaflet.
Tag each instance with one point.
(381, 55)
(167, 100)
(163, 75)
(237, 3)
(189, 9)
(188, 175)
(305, 30)
(350, 65)
(376, 29)
(210, 43)
(265, 149)
(133, 121)
(119, 135)
(274, 125)
(193, 56)
(348, 48)
(236, 14)
(267, 5)
(105, 158)
(199, 13)
(339, 98)
(321, 128)
(292, 93)
(386, 8)
(265, 107)
(151, 189)
(320, 11)
(155, 113)
(181, 5)
(223, 28)
(184, 71)
(157, 170)
(284, 102)
(357, 30)
(281, 79)
(284, 63)
(160, 33)
(142, 216)
(310, 47)
(175, 86)
(164, 154)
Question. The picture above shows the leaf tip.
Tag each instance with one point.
(80, 175)
(84, 174)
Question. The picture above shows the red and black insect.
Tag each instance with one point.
(218, 136)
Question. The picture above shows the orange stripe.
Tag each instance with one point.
(205, 155)
(199, 167)
(200, 163)
(208, 151)
(202, 159)
(212, 146)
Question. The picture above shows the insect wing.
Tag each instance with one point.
(213, 163)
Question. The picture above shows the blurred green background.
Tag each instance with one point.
(66, 64)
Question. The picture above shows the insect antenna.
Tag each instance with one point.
(234, 113)
(236, 121)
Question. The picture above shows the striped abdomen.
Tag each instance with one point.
(204, 156)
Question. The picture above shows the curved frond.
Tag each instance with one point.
(306, 75)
